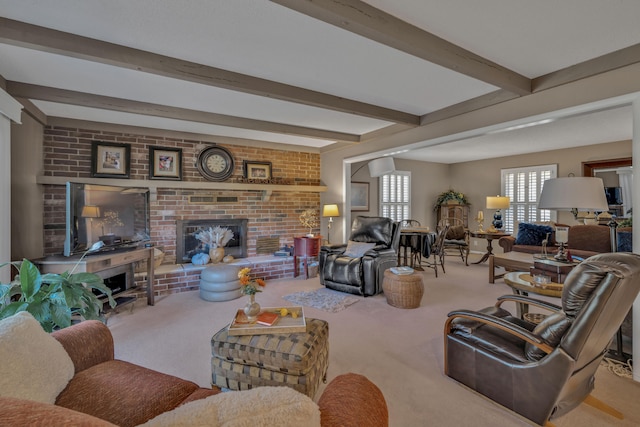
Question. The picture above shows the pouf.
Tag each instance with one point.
(298, 360)
(403, 290)
(220, 282)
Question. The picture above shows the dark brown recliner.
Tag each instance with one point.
(361, 275)
(544, 371)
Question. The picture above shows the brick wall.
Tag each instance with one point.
(67, 152)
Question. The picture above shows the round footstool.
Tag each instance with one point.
(220, 283)
(403, 290)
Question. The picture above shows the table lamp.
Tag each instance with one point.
(497, 203)
(330, 211)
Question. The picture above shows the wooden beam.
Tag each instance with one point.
(63, 96)
(44, 39)
(360, 18)
(467, 106)
(611, 61)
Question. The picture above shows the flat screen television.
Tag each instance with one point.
(118, 216)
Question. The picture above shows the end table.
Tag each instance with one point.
(305, 247)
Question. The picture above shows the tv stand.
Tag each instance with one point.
(101, 262)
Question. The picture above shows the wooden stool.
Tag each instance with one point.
(403, 290)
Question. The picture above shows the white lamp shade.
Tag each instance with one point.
(565, 194)
(330, 211)
(381, 166)
(498, 202)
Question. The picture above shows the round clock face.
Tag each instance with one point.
(215, 163)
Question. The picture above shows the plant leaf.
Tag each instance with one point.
(30, 279)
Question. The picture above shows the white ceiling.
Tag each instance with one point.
(264, 39)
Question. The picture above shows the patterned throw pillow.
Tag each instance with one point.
(532, 234)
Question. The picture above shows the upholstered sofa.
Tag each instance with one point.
(584, 240)
(103, 391)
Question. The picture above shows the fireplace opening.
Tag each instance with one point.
(119, 280)
(187, 245)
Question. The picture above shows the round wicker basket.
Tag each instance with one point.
(403, 290)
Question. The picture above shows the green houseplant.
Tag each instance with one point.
(53, 299)
(450, 195)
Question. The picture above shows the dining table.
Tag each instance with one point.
(415, 243)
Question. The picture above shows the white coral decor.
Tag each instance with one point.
(214, 236)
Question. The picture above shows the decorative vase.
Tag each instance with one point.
(216, 254)
(252, 309)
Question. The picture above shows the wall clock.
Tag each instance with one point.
(215, 163)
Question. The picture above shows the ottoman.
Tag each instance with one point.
(220, 282)
(297, 360)
(403, 290)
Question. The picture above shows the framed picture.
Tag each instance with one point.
(165, 163)
(110, 160)
(359, 196)
(257, 170)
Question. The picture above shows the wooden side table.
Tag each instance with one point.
(305, 247)
(489, 238)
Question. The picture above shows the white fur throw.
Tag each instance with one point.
(260, 406)
(33, 365)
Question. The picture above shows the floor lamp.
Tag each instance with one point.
(330, 211)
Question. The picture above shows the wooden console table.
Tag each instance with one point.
(100, 262)
(305, 247)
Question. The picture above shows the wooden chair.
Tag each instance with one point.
(457, 238)
(437, 251)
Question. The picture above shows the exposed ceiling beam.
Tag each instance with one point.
(44, 39)
(367, 21)
(64, 96)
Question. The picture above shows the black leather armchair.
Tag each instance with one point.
(544, 371)
(361, 275)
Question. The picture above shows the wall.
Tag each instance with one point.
(67, 152)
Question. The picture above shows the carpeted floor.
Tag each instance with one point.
(400, 350)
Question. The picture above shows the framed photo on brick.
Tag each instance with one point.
(257, 170)
(165, 163)
(110, 160)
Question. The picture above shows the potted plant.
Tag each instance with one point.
(450, 195)
(53, 299)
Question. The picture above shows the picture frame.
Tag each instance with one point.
(110, 160)
(165, 163)
(359, 196)
(257, 170)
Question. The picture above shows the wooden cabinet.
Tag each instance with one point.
(454, 211)
(305, 247)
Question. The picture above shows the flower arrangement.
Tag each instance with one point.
(450, 195)
(309, 219)
(214, 237)
(249, 285)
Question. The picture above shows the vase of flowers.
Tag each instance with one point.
(250, 286)
(215, 238)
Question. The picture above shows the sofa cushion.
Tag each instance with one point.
(260, 406)
(357, 249)
(33, 364)
(20, 412)
(123, 393)
(551, 330)
(532, 234)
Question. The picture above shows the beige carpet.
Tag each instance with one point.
(400, 350)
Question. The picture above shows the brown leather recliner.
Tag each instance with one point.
(544, 371)
(361, 275)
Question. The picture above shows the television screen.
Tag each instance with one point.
(614, 195)
(117, 216)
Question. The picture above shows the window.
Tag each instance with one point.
(395, 195)
(523, 186)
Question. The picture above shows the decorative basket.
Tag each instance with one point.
(403, 291)
(534, 318)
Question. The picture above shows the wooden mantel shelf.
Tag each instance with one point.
(153, 185)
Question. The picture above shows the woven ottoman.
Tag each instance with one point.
(297, 360)
(403, 290)
(220, 282)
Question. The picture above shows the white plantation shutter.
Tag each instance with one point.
(395, 195)
(523, 186)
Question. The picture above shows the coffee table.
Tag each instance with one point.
(510, 261)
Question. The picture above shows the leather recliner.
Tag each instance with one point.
(543, 371)
(361, 275)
